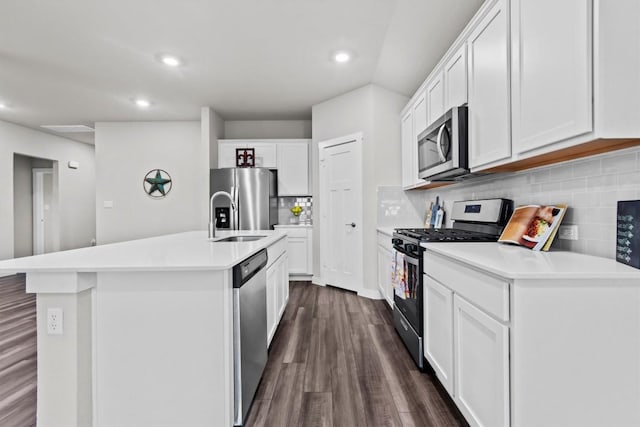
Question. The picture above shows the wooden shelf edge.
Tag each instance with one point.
(429, 185)
(598, 146)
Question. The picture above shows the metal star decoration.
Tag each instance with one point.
(157, 183)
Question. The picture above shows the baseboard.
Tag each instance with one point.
(300, 277)
(370, 293)
(5, 274)
(316, 280)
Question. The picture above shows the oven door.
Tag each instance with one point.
(410, 302)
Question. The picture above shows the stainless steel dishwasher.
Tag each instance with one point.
(249, 331)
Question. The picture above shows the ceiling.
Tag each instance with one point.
(69, 62)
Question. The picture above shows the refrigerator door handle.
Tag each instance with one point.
(234, 214)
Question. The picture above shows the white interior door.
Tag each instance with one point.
(341, 212)
(42, 210)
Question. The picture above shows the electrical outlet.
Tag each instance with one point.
(54, 321)
(568, 232)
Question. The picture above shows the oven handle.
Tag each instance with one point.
(441, 154)
(410, 257)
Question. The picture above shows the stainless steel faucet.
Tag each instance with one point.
(212, 225)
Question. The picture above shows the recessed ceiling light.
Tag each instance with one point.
(342, 57)
(171, 61)
(142, 103)
(3, 106)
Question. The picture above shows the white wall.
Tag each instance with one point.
(212, 128)
(23, 204)
(76, 197)
(125, 153)
(375, 112)
(22, 207)
(267, 129)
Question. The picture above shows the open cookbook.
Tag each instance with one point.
(533, 226)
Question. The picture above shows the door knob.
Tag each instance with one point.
(353, 224)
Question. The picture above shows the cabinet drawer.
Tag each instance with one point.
(385, 241)
(274, 251)
(487, 292)
(299, 232)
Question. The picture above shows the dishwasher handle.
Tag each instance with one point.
(245, 270)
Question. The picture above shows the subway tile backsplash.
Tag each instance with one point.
(591, 187)
(285, 216)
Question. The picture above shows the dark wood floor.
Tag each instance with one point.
(17, 353)
(337, 361)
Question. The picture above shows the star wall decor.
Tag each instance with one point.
(157, 183)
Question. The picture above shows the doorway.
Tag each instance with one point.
(341, 244)
(35, 228)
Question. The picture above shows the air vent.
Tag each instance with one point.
(68, 128)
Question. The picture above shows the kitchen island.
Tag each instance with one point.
(146, 334)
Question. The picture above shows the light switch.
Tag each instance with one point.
(73, 164)
(108, 204)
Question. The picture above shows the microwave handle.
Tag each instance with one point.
(443, 157)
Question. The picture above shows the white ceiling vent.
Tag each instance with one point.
(68, 128)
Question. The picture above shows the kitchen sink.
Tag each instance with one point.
(241, 238)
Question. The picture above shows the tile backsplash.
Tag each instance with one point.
(591, 187)
(285, 216)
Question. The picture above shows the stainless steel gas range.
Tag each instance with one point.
(474, 221)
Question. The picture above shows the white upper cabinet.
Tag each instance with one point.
(435, 97)
(227, 154)
(265, 153)
(455, 79)
(489, 88)
(420, 117)
(551, 48)
(289, 157)
(293, 169)
(409, 151)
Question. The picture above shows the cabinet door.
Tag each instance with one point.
(387, 283)
(455, 79)
(489, 92)
(266, 154)
(227, 155)
(297, 252)
(309, 251)
(384, 273)
(293, 169)
(420, 118)
(481, 366)
(551, 50)
(435, 98)
(438, 330)
(272, 298)
(283, 286)
(409, 152)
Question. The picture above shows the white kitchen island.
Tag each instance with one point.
(147, 330)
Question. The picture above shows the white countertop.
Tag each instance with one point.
(293, 226)
(386, 230)
(514, 262)
(174, 252)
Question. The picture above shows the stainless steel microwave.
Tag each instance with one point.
(443, 149)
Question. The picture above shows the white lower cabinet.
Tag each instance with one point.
(384, 267)
(481, 366)
(438, 331)
(277, 293)
(466, 339)
(299, 249)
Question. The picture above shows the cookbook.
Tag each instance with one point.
(533, 226)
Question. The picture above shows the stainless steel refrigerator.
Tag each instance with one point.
(255, 191)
